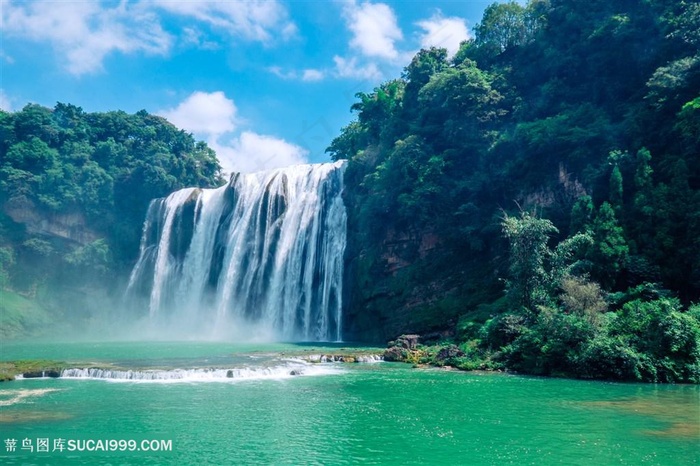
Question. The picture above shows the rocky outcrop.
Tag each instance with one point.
(360, 357)
(408, 342)
(406, 285)
(70, 226)
(448, 353)
(51, 373)
(403, 349)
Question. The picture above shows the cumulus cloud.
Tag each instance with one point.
(447, 33)
(85, 32)
(257, 20)
(374, 28)
(251, 152)
(204, 114)
(213, 117)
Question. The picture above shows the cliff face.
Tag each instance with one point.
(387, 291)
(66, 226)
(398, 282)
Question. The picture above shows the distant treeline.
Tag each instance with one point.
(94, 172)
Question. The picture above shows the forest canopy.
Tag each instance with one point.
(93, 172)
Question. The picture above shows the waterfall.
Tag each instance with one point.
(266, 249)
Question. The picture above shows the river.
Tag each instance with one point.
(221, 403)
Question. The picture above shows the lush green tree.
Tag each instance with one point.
(461, 106)
(425, 64)
(609, 250)
(528, 236)
(505, 25)
(616, 188)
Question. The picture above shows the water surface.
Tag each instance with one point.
(335, 413)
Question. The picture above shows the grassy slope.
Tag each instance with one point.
(19, 316)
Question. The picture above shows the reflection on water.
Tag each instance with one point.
(677, 411)
(11, 397)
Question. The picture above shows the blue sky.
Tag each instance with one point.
(265, 83)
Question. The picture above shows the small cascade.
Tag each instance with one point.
(266, 250)
(283, 371)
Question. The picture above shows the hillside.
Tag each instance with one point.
(74, 189)
(535, 196)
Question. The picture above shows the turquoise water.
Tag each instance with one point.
(373, 413)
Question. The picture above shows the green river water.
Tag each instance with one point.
(328, 413)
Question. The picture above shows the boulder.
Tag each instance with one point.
(395, 353)
(408, 342)
(449, 352)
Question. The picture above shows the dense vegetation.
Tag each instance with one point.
(74, 189)
(538, 193)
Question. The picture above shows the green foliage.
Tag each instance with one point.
(549, 345)
(584, 112)
(7, 260)
(460, 105)
(668, 338)
(583, 298)
(529, 280)
(19, 315)
(38, 247)
(93, 256)
(506, 25)
(99, 168)
(609, 251)
(616, 188)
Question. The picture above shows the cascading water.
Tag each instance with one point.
(266, 249)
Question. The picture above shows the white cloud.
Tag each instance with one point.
(349, 68)
(5, 101)
(86, 32)
(257, 20)
(374, 28)
(194, 37)
(214, 118)
(277, 71)
(443, 32)
(307, 75)
(207, 115)
(312, 75)
(251, 152)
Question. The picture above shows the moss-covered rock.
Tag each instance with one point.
(30, 369)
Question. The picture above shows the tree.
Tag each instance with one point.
(528, 237)
(425, 64)
(609, 251)
(503, 26)
(616, 189)
(460, 106)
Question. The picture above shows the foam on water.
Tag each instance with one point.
(288, 370)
